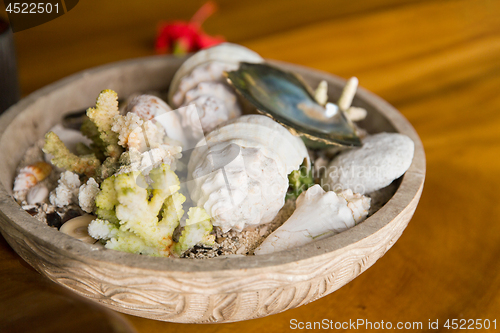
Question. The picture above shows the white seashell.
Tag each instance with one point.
(29, 207)
(357, 203)
(215, 104)
(318, 214)
(143, 111)
(239, 173)
(37, 194)
(234, 194)
(382, 158)
(208, 113)
(147, 106)
(202, 75)
(218, 90)
(211, 72)
(78, 228)
(30, 175)
(225, 54)
(262, 131)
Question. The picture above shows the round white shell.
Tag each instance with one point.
(260, 131)
(239, 173)
(202, 76)
(217, 90)
(210, 72)
(226, 53)
(236, 194)
(147, 107)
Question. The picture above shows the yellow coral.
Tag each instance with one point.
(65, 159)
(146, 216)
(198, 230)
(102, 116)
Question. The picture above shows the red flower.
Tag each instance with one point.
(180, 37)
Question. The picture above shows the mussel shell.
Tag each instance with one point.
(285, 98)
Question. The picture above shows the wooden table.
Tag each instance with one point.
(438, 62)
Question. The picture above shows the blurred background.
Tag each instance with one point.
(437, 61)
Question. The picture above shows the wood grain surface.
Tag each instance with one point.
(437, 61)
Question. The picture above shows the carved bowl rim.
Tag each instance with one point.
(410, 188)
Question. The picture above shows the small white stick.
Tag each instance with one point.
(356, 114)
(348, 93)
(321, 93)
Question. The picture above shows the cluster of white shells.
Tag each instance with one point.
(238, 170)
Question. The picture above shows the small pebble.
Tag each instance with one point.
(78, 228)
(54, 220)
(383, 158)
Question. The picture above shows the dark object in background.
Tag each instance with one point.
(28, 14)
(70, 214)
(9, 85)
(54, 220)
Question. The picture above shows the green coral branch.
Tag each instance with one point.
(299, 181)
(63, 158)
(101, 160)
(198, 230)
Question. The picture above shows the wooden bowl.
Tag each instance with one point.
(188, 290)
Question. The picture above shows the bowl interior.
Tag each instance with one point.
(31, 118)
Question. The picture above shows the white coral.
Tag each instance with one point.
(67, 190)
(87, 195)
(102, 229)
(318, 214)
(134, 132)
(148, 160)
